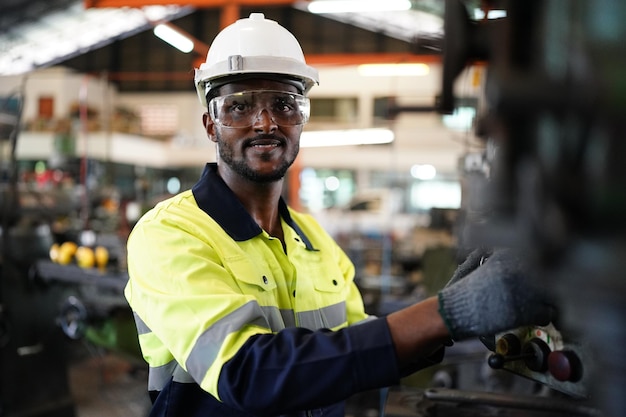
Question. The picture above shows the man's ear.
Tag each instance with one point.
(209, 126)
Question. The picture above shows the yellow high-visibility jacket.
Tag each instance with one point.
(223, 306)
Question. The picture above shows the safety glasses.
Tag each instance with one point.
(240, 110)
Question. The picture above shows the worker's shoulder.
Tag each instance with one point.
(179, 210)
(170, 205)
(178, 215)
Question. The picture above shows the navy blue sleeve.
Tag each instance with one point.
(300, 369)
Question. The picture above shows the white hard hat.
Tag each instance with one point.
(251, 46)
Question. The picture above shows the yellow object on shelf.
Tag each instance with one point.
(85, 257)
(66, 252)
(54, 252)
(102, 257)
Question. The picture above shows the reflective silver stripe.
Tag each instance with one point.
(180, 375)
(142, 327)
(289, 318)
(207, 346)
(278, 319)
(160, 375)
(325, 318)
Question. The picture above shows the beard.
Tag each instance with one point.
(241, 167)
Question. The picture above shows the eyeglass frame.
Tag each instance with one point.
(303, 103)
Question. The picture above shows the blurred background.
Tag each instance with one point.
(438, 126)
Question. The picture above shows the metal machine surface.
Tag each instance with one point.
(33, 350)
(435, 402)
(33, 380)
(556, 189)
(543, 354)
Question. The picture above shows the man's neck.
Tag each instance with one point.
(260, 200)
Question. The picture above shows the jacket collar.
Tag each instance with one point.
(218, 201)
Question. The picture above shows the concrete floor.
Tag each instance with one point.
(106, 385)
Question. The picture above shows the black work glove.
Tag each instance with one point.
(492, 297)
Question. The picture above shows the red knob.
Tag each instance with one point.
(564, 365)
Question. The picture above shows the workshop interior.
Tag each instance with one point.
(502, 125)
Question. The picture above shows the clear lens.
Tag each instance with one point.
(242, 109)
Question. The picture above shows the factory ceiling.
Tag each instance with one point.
(118, 42)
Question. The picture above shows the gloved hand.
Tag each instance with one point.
(473, 261)
(495, 296)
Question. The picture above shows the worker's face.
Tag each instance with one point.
(263, 151)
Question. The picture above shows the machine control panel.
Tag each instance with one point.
(543, 355)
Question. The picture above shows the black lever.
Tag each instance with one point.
(497, 361)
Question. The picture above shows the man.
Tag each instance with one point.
(245, 307)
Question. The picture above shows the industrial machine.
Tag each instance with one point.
(46, 306)
(555, 188)
(33, 351)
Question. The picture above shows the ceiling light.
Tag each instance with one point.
(479, 14)
(393, 70)
(423, 172)
(361, 6)
(332, 183)
(319, 138)
(173, 37)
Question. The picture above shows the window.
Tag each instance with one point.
(46, 107)
(462, 118)
(426, 195)
(342, 110)
(324, 188)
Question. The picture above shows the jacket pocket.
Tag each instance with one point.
(253, 278)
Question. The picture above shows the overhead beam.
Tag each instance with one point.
(358, 59)
(370, 58)
(314, 59)
(193, 3)
(229, 14)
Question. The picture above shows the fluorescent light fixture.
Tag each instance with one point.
(462, 119)
(360, 6)
(479, 14)
(319, 138)
(423, 172)
(173, 37)
(391, 70)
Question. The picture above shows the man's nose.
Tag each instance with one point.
(264, 120)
